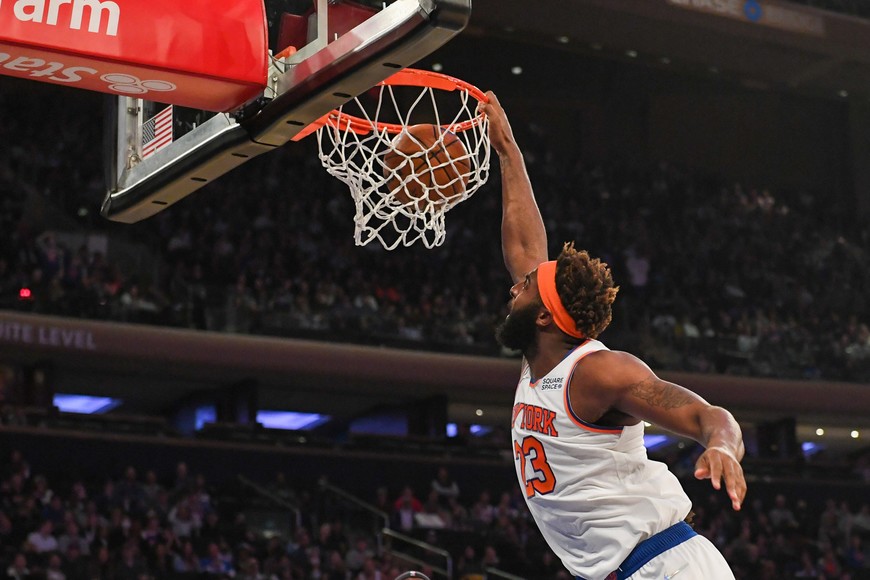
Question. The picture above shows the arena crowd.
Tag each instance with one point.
(715, 276)
(140, 524)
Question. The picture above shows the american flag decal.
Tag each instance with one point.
(157, 132)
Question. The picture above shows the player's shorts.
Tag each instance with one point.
(695, 559)
(676, 553)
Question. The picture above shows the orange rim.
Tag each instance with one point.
(410, 77)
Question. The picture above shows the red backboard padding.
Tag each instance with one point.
(344, 16)
(208, 55)
(293, 31)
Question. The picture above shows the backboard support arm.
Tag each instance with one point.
(392, 39)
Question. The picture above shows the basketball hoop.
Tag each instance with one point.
(402, 193)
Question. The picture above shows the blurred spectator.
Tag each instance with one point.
(445, 486)
(186, 561)
(75, 564)
(150, 490)
(55, 510)
(482, 512)
(469, 567)
(72, 538)
(781, 517)
(54, 570)
(217, 561)
(161, 561)
(405, 508)
(102, 567)
(184, 522)
(131, 566)
(16, 465)
(18, 569)
(250, 570)
(300, 552)
(370, 571)
(42, 540)
(336, 568)
(358, 554)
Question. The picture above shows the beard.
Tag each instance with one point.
(519, 330)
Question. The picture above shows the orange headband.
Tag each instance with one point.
(550, 297)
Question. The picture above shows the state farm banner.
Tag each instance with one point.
(202, 54)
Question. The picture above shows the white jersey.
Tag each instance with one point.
(591, 489)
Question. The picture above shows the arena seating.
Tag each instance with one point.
(129, 508)
(715, 276)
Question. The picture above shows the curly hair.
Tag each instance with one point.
(586, 289)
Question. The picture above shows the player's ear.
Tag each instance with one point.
(544, 318)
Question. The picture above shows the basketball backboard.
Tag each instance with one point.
(153, 160)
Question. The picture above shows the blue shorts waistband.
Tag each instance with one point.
(650, 548)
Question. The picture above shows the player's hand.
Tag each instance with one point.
(500, 134)
(718, 463)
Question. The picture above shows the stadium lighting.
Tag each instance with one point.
(653, 442)
(84, 404)
(477, 430)
(810, 448)
(290, 420)
(203, 415)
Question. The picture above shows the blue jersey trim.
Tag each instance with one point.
(570, 409)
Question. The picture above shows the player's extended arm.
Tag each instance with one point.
(620, 381)
(523, 238)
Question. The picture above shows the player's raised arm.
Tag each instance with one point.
(618, 380)
(523, 238)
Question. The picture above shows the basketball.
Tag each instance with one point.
(438, 161)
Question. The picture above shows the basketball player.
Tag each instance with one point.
(604, 508)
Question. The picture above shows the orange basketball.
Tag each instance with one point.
(438, 160)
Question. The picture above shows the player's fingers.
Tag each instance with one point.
(702, 470)
(715, 472)
(487, 105)
(736, 484)
(732, 486)
(491, 105)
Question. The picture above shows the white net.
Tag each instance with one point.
(409, 154)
